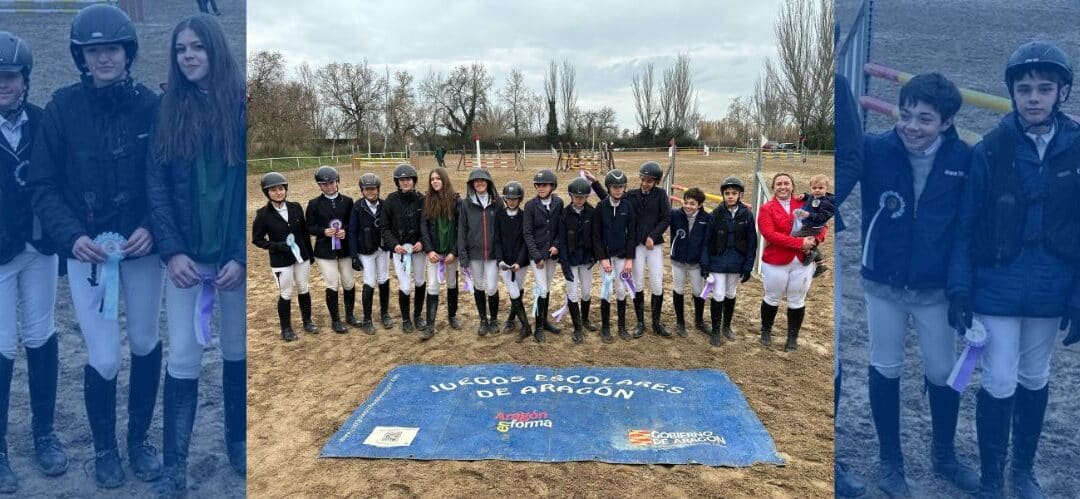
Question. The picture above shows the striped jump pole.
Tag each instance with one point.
(710, 197)
(973, 97)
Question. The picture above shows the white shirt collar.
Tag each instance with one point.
(930, 151)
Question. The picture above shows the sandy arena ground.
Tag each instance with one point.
(209, 474)
(301, 392)
(968, 42)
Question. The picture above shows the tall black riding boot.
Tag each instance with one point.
(944, 407)
(511, 318)
(142, 396)
(493, 313)
(716, 310)
(350, 307)
(1029, 410)
(234, 393)
(305, 313)
(335, 313)
(585, 322)
(367, 296)
(384, 305)
(541, 313)
(680, 313)
(768, 315)
(42, 370)
(517, 308)
(885, 409)
(620, 309)
(656, 305)
(452, 308)
(406, 317)
(699, 314)
(100, 397)
(639, 312)
(181, 400)
(729, 313)
(481, 309)
(794, 324)
(993, 416)
(432, 308)
(605, 321)
(575, 317)
(9, 483)
(284, 311)
(548, 326)
(418, 307)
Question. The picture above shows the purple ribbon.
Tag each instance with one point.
(203, 309)
(468, 287)
(709, 283)
(560, 313)
(976, 340)
(442, 270)
(628, 279)
(335, 242)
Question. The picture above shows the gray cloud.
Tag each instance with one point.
(608, 41)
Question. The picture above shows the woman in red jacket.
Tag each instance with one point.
(782, 271)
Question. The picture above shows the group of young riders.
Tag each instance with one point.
(121, 183)
(980, 241)
(488, 235)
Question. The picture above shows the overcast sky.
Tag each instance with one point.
(608, 41)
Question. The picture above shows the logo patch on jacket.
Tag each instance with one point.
(955, 173)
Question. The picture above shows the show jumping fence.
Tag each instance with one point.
(853, 61)
(132, 7)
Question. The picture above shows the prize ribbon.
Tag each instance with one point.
(976, 340)
(407, 257)
(112, 243)
(335, 242)
(204, 308)
(468, 286)
(560, 313)
(628, 279)
(889, 200)
(537, 291)
(291, 241)
(605, 289)
(709, 283)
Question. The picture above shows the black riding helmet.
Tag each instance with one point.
(513, 190)
(481, 174)
(732, 181)
(326, 174)
(579, 187)
(652, 170)
(405, 170)
(615, 178)
(102, 24)
(370, 180)
(273, 179)
(1038, 55)
(15, 57)
(546, 177)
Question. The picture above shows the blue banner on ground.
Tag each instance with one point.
(531, 413)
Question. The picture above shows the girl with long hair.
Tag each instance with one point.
(196, 188)
(438, 231)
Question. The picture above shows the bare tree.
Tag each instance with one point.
(461, 97)
(798, 58)
(569, 97)
(354, 90)
(646, 107)
(401, 112)
(551, 92)
(677, 98)
(768, 104)
(516, 97)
